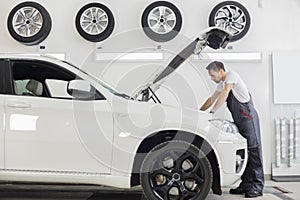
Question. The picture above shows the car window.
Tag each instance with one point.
(20, 87)
(43, 79)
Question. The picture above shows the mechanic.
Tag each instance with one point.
(231, 88)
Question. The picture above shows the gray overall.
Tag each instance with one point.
(247, 121)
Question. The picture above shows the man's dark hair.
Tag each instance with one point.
(216, 66)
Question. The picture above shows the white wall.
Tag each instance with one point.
(274, 27)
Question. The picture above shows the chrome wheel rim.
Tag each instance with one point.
(231, 18)
(27, 21)
(161, 20)
(177, 175)
(94, 21)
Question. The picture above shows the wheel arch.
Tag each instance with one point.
(162, 136)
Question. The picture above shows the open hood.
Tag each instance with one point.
(213, 37)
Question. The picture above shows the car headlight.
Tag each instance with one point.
(225, 125)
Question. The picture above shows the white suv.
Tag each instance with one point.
(60, 124)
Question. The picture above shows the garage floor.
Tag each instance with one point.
(273, 191)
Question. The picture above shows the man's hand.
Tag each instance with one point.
(210, 101)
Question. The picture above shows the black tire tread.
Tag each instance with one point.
(41, 35)
(102, 36)
(161, 37)
(185, 143)
(248, 19)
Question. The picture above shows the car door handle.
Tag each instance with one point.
(19, 105)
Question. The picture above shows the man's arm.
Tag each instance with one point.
(210, 101)
(223, 96)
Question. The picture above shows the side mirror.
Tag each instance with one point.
(80, 89)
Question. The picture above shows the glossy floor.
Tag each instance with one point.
(273, 191)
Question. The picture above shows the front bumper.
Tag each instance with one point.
(233, 155)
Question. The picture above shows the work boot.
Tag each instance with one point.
(253, 193)
(238, 190)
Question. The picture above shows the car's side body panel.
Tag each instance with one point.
(141, 120)
(66, 178)
(46, 136)
(3, 90)
(2, 130)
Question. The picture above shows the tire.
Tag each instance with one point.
(233, 17)
(176, 170)
(166, 29)
(29, 23)
(95, 28)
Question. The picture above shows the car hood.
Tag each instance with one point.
(213, 37)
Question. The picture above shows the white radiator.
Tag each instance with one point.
(287, 165)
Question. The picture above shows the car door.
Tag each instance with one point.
(48, 130)
(2, 111)
(2, 129)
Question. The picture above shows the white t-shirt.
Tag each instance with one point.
(239, 90)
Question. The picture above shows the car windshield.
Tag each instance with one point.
(102, 83)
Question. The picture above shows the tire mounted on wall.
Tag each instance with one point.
(233, 17)
(161, 21)
(29, 23)
(95, 22)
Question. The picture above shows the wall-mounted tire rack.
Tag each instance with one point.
(29, 23)
(95, 22)
(161, 21)
(233, 17)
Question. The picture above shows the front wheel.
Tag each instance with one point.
(176, 170)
